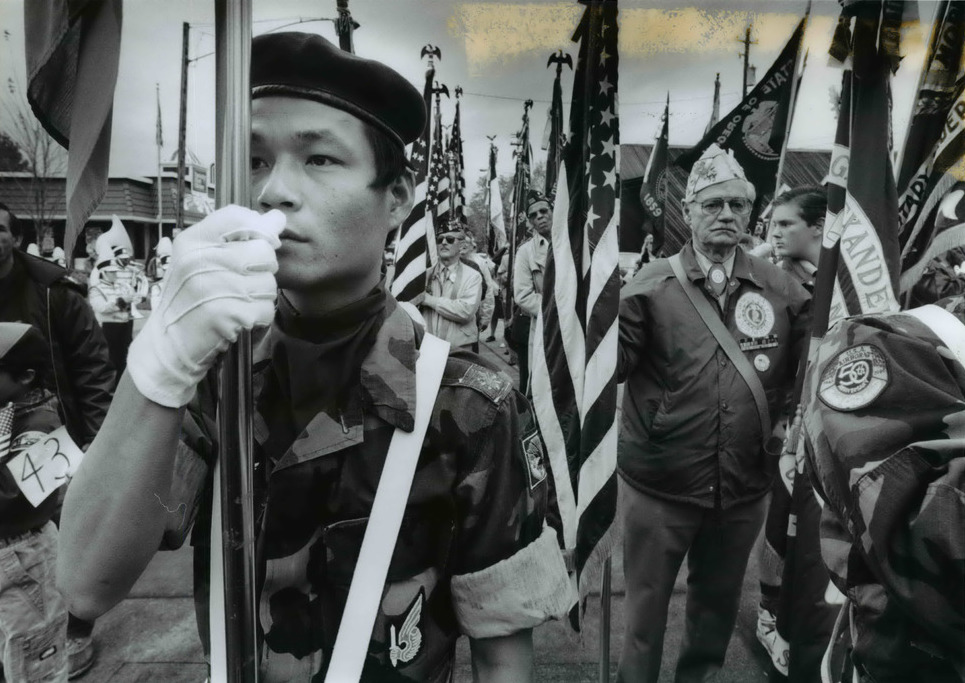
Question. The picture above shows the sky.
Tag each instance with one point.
(497, 52)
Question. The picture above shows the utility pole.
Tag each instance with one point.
(746, 40)
(182, 128)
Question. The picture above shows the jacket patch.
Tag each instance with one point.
(754, 315)
(405, 642)
(535, 454)
(854, 378)
(492, 384)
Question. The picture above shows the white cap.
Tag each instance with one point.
(715, 166)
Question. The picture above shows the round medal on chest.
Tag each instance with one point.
(754, 315)
(762, 362)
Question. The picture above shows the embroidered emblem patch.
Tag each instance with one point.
(762, 362)
(405, 643)
(754, 315)
(854, 378)
(535, 454)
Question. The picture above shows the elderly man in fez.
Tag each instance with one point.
(528, 270)
(334, 376)
(454, 291)
(709, 343)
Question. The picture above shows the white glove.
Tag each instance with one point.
(221, 281)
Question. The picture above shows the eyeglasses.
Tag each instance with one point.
(447, 239)
(741, 206)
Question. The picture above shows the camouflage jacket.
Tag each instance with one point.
(474, 555)
(885, 441)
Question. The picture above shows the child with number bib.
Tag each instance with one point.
(33, 614)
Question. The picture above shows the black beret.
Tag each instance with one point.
(307, 66)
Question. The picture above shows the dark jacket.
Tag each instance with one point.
(82, 377)
(690, 429)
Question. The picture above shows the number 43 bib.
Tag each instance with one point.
(46, 466)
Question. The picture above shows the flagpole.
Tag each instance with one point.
(795, 84)
(160, 193)
(233, 124)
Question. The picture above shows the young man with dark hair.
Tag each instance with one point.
(334, 379)
(797, 225)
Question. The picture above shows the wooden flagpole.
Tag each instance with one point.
(234, 652)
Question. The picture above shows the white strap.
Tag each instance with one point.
(382, 530)
(946, 327)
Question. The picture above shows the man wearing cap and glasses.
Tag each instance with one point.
(709, 344)
(454, 292)
(528, 273)
(334, 379)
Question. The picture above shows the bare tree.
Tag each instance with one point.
(44, 159)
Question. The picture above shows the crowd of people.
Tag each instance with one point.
(711, 341)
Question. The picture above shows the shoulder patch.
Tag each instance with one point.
(492, 384)
(535, 453)
(854, 378)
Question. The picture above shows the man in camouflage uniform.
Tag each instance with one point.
(333, 378)
(885, 443)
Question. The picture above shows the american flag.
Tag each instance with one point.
(6, 430)
(575, 355)
(412, 247)
(458, 167)
(438, 192)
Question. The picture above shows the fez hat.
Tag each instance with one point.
(307, 66)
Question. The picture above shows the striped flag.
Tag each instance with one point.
(458, 167)
(932, 160)
(575, 353)
(438, 194)
(6, 430)
(497, 226)
(412, 247)
(73, 49)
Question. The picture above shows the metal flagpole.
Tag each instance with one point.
(605, 600)
(160, 193)
(233, 124)
(795, 84)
